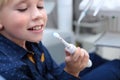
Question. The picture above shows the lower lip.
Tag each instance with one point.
(38, 31)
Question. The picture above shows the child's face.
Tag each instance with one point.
(23, 20)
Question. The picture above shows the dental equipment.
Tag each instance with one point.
(69, 47)
(98, 7)
(84, 11)
(83, 14)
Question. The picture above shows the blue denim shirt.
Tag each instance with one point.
(15, 65)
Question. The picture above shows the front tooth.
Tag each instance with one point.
(36, 28)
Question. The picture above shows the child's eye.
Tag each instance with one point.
(22, 9)
(40, 7)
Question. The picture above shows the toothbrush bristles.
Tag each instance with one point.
(55, 34)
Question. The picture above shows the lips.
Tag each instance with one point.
(38, 27)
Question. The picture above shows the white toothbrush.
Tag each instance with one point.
(69, 47)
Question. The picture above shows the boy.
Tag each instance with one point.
(22, 55)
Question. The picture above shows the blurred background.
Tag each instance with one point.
(91, 24)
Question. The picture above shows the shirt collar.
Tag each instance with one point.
(10, 49)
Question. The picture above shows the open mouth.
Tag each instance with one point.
(36, 28)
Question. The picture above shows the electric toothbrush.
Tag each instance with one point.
(69, 47)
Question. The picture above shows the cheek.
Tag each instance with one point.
(20, 21)
(16, 25)
(15, 20)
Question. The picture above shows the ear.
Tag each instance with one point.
(1, 26)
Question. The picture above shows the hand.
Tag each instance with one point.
(76, 62)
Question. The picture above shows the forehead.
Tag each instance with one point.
(9, 2)
(25, 0)
(18, 1)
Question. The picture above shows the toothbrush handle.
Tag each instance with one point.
(71, 48)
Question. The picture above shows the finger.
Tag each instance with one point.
(68, 57)
(85, 59)
(67, 53)
(86, 53)
(78, 54)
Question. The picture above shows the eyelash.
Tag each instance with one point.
(40, 7)
(22, 10)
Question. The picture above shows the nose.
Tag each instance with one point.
(36, 14)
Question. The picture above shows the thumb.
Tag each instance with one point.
(68, 56)
(67, 53)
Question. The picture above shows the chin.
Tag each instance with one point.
(36, 40)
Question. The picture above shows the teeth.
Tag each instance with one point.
(37, 28)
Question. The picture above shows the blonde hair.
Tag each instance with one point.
(3, 2)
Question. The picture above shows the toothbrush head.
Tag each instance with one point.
(55, 34)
